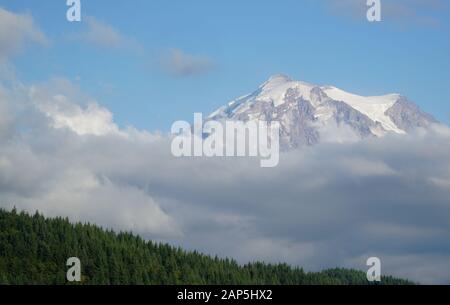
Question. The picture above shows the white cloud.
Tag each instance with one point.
(178, 63)
(65, 113)
(326, 206)
(15, 31)
(42, 167)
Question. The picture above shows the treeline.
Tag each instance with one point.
(34, 250)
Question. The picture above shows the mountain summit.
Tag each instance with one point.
(309, 114)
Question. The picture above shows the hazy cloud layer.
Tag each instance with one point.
(180, 64)
(100, 34)
(16, 30)
(326, 206)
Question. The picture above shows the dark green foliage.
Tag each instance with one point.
(34, 250)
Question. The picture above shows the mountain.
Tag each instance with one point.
(34, 250)
(309, 114)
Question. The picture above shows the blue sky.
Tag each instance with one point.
(231, 47)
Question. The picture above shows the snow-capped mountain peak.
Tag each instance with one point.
(309, 113)
(275, 81)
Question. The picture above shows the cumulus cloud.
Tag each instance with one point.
(16, 30)
(178, 63)
(63, 112)
(325, 206)
(404, 12)
(40, 159)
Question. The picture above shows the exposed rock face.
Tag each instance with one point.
(408, 116)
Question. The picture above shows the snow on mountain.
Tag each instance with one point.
(309, 114)
(374, 107)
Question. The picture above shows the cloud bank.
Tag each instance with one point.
(330, 205)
